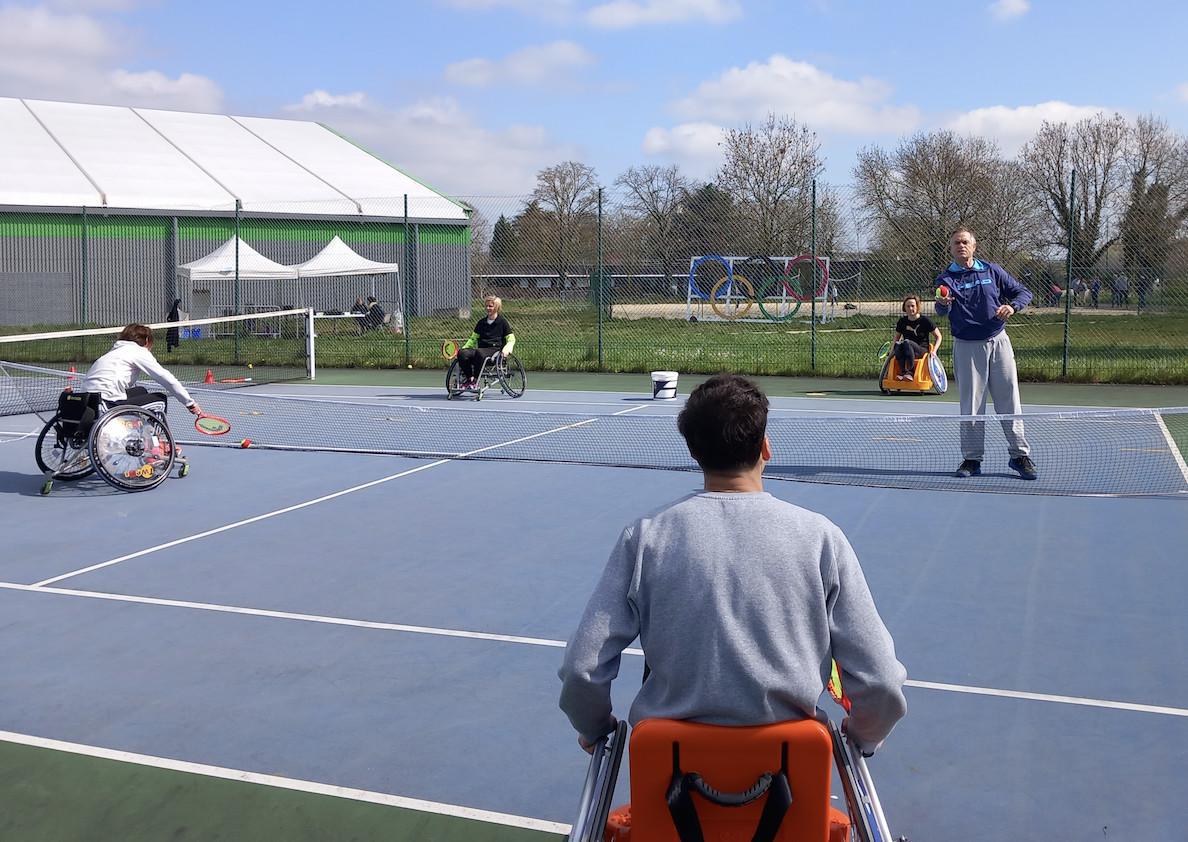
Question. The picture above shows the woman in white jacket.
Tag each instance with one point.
(114, 374)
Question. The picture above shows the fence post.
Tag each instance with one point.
(86, 281)
(1068, 271)
(813, 282)
(600, 281)
(235, 332)
(404, 276)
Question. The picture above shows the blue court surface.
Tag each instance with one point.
(388, 629)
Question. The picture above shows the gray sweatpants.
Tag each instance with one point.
(979, 364)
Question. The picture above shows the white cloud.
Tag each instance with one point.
(1005, 10)
(438, 142)
(549, 64)
(1182, 92)
(323, 99)
(798, 89)
(72, 56)
(1012, 127)
(695, 146)
(554, 10)
(622, 14)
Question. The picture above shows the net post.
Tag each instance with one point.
(309, 343)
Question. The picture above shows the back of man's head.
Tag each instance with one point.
(724, 422)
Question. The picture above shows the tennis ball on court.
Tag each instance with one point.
(410, 366)
(245, 443)
(249, 365)
(942, 291)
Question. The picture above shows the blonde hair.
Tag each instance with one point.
(498, 302)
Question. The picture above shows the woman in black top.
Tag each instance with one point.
(492, 335)
(911, 337)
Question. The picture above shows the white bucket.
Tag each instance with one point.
(664, 385)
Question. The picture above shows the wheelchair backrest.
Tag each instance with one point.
(731, 760)
(77, 412)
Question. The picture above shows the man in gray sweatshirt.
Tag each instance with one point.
(740, 600)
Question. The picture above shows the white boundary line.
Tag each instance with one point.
(293, 784)
(306, 504)
(550, 643)
(1173, 447)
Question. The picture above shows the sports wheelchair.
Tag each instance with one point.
(505, 372)
(768, 783)
(130, 447)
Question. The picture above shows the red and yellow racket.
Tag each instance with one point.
(212, 425)
(449, 349)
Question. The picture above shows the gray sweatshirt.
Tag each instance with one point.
(740, 602)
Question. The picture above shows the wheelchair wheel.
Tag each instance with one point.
(513, 380)
(65, 457)
(453, 380)
(132, 448)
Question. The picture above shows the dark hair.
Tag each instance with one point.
(723, 423)
(907, 298)
(137, 333)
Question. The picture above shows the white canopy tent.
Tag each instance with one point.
(220, 264)
(337, 258)
(204, 285)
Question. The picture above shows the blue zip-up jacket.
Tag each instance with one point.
(977, 294)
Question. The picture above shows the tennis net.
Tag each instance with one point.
(222, 352)
(1124, 452)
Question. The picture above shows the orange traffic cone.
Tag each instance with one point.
(209, 377)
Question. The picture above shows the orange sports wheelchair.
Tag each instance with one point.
(692, 782)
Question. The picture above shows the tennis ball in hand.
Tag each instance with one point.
(942, 291)
(245, 443)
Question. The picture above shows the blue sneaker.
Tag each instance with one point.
(970, 468)
(1023, 466)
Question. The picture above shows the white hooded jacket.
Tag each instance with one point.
(115, 371)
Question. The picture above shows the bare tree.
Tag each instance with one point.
(1158, 204)
(1095, 147)
(652, 196)
(931, 183)
(769, 170)
(568, 194)
(1159, 156)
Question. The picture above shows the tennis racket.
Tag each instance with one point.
(449, 349)
(940, 382)
(866, 812)
(884, 351)
(212, 425)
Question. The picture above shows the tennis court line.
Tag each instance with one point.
(294, 784)
(548, 642)
(1175, 449)
(207, 533)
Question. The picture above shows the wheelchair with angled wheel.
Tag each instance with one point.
(504, 373)
(129, 446)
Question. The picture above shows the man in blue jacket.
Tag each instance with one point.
(979, 297)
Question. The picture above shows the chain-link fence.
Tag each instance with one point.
(695, 279)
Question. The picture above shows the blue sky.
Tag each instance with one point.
(475, 96)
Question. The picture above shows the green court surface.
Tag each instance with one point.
(52, 795)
